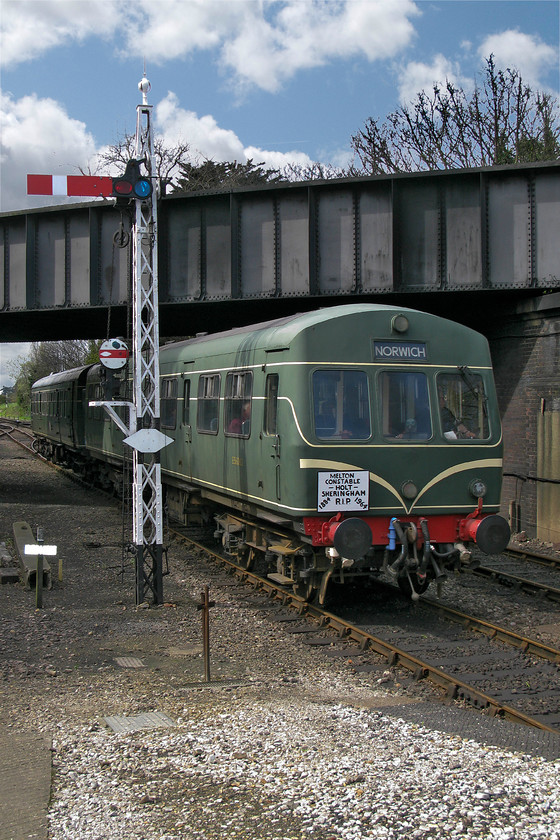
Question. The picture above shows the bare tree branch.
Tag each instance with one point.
(502, 121)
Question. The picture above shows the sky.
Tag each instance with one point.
(275, 81)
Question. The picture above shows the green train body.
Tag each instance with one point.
(336, 444)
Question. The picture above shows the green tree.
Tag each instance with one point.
(48, 357)
(179, 171)
(503, 121)
(211, 175)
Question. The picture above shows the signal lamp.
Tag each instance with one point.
(132, 184)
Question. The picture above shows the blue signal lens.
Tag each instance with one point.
(142, 188)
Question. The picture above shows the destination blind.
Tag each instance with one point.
(399, 351)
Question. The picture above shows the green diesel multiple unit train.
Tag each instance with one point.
(335, 444)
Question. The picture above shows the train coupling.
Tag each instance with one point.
(333, 555)
(465, 556)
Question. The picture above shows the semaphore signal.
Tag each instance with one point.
(69, 185)
(130, 185)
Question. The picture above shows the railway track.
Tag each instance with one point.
(517, 677)
(19, 433)
(486, 666)
(547, 561)
(528, 572)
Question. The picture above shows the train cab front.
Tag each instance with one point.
(414, 551)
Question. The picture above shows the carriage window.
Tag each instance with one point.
(54, 402)
(208, 404)
(95, 394)
(462, 406)
(405, 406)
(341, 404)
(237, 420)
(168, 403)
(271, 405)
(186, 403)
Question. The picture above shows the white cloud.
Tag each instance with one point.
(169, 29)
(203, 134)
(267, 52)
(31, 27)
(525, 53)
(262, 42)
(38, 137)
(417, 76)
(276, 160)
(9, 353)
(208, 140)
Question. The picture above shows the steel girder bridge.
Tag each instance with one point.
(232, 257)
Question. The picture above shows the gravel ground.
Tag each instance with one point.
(284, 742)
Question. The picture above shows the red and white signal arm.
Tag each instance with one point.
(113, 353)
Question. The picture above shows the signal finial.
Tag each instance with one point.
(145, 86)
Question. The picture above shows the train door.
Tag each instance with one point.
(185, 428)
(174, 422)
(271, 449)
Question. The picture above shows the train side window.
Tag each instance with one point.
(208, 404)
(405, 405)
(271, 405)
(168, 403)
(237, 417)
(462, 406)
(187, 403)
(341, 405)
(95, 394)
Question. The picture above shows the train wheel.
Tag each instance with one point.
(304, 589)
(246, 558)
(420, 586)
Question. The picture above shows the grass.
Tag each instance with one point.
(12, 411)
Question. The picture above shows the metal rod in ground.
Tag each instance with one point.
(39, 572)
(205, 607)
(39, 583)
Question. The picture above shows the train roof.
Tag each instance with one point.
(290, 325)
(279, 334)
(63, 376)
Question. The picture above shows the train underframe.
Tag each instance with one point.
(311, 553)
(292, 560)
(99, 473)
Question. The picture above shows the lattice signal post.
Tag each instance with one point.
(147, 492)
(142, 432)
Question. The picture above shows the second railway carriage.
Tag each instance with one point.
(58, 415)
(333, 444)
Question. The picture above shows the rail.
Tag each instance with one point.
(453, 687)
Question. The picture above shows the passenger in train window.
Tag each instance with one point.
(241, 425)
(452, 428)
(325, 423)
(325, 420)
